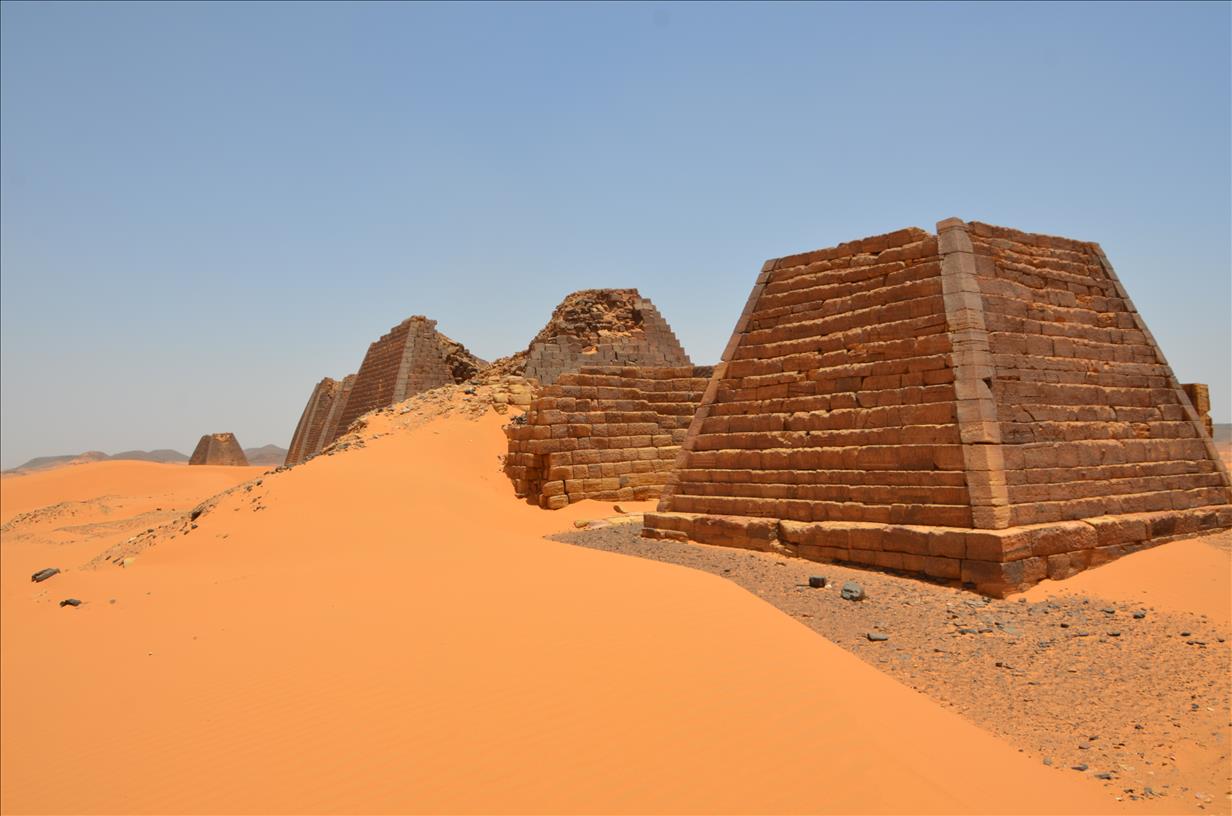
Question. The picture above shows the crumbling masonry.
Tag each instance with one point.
(597, 327)
(603, 433)
(983, 405)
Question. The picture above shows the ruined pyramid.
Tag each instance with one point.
(981, 404)
(597, 327)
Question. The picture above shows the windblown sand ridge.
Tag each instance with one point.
(391, 633)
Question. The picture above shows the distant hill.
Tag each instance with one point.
(160, 455)
(1223, 433)
(164, 455)
(266, 455)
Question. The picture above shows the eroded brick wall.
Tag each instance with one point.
(1091, 422)
(838, 401)
(603, 433)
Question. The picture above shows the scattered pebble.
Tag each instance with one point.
(877, 636)
(70, 602)
(44, 574)
(817, 581)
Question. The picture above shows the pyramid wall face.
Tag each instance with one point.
(838, 402)
(218, 449)
(603, 433)
(312, 422)
(1092, 422)
(982, 405)
(645, 340)
(403, 362)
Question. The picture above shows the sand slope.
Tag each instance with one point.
(390, 633)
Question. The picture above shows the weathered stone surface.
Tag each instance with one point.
(218, 449)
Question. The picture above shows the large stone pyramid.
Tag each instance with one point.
(218, 449)
(983, 404)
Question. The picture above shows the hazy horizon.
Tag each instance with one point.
(206, 208)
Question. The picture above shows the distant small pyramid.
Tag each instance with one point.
(218, 449)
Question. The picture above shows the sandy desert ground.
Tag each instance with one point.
(389, 630)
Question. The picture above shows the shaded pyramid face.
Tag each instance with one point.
(981, 404)
(218, 449)
(602, 327)
(319, 422)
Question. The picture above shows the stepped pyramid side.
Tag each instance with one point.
(312, 423)
(982, 405)
(218, 449)
(597, 328)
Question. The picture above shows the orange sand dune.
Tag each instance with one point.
(390, 633)
(1183, 576)
(20, 494)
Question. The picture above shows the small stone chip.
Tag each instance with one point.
(70, 602)
(817, 581)
(877, 636)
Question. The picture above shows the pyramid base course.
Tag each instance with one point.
(992, 562)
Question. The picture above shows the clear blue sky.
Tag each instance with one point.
(207, 208)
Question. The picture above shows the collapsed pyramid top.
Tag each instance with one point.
(597, 327)
(218, 449)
